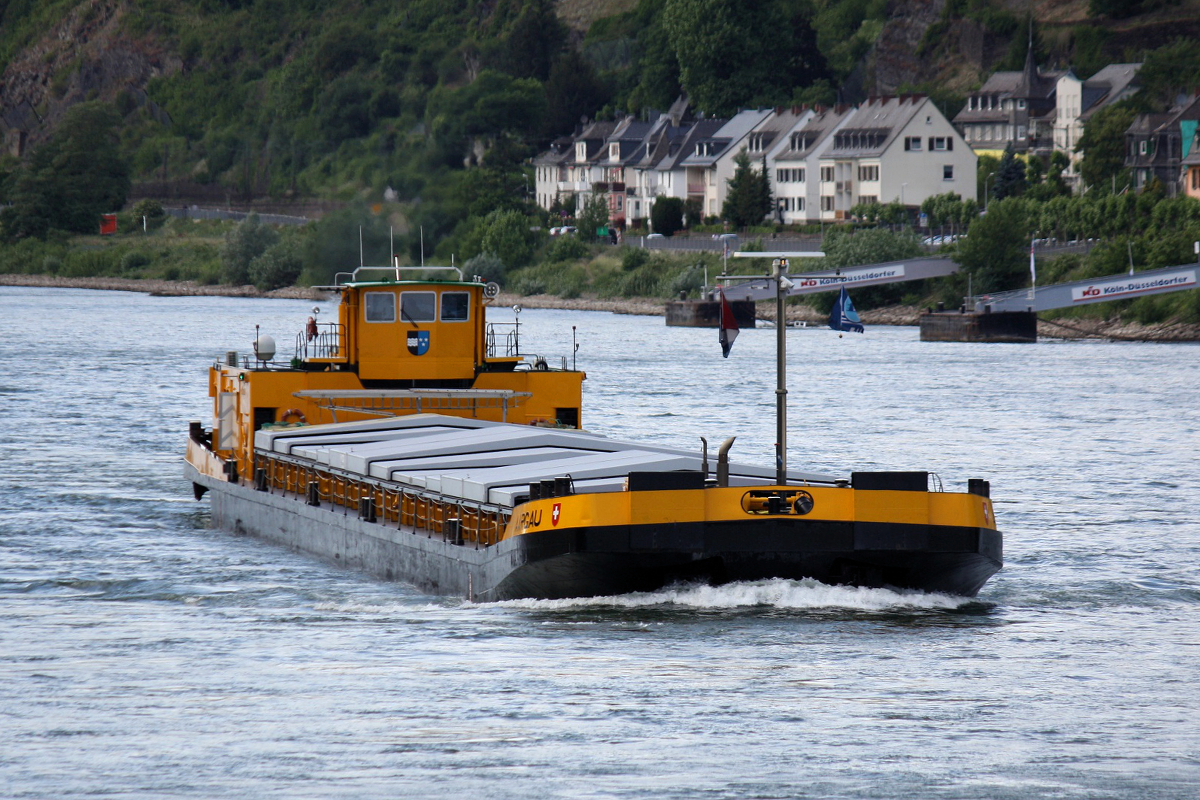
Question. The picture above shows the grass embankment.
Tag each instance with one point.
(169, 250)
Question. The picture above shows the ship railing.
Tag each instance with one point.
(508, 333)
(322, 341)
(396, 402)
(396, 273)
(406, 507)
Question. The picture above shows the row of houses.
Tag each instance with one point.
(1038, 112)
(821, 162)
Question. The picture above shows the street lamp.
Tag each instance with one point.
(986, 196)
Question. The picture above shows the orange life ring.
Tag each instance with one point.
(293, 412)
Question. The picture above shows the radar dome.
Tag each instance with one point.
(264, 348)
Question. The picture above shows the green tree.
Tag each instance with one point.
(279, 265)
(1010, 177)
(487, 266)
(1103, 147)
(1167, 72)
(723, 61)
(507, 234)
(76, 176)
(746, 200)
(996, 251)
(656, 67)
(573, 90)
(985, 174)
(666, 216)
(593, 216)
(242, 245)
(534, 41)
(850, 248)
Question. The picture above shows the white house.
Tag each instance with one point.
(1078, 100)
(796, 165)
(710, 164)
(894, 149)
(769, 139)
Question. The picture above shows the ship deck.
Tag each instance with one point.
(491, 463)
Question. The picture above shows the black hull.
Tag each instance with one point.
(602, 561)
(597, 561)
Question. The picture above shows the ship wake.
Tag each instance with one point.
(785, 595)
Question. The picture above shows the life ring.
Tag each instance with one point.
(540, 365)
(293, 412)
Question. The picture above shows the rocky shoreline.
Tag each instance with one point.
(1113, 329)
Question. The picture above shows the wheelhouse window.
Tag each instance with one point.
(380, 306)
(418, 306)
(456, 306)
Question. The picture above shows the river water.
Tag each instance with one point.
(144, 655)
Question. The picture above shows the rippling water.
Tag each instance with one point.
(144, 655)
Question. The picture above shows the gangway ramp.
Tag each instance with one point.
(762, 287)
(1124, 286)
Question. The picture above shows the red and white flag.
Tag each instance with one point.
(729, 326)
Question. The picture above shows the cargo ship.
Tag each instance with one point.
(414, 440)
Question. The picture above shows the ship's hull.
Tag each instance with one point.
(608, 560)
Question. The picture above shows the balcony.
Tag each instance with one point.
(695, 188)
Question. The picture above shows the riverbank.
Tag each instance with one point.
(1072, 328)
(159, 288)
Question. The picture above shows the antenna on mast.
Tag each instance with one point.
(360, 246)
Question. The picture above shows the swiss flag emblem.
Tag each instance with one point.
(554, 513)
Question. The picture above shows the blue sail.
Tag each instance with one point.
(844, 317)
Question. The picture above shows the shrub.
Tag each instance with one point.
(135, 260)
(249, 240)
(527, 285)
(667, 215)
(633, 257)
(506, 233)
(566, 248)
(688, 281)
(487, 266)
(151, 209)
(278, 266)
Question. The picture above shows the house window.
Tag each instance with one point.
(941, 143)
(868, 173)
(827, 204)
(948, 172)
(826, 173)
(1020, 103)
(912, 142)
(1020, 131)
(868, 199)
(1142, 147)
